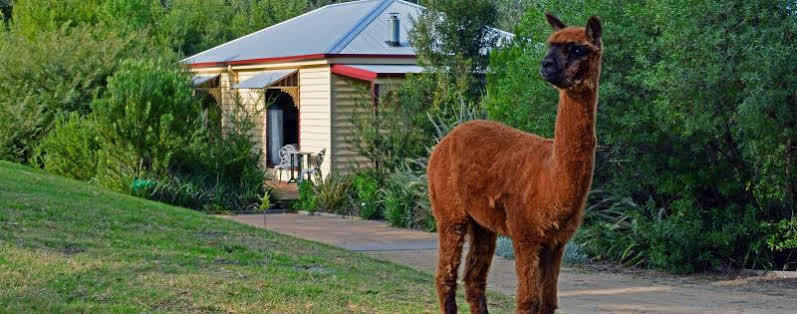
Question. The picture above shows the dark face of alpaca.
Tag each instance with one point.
(574, 53)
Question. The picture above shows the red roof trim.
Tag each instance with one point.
(296, 58)
(353, 72)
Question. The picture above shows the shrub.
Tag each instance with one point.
(398, 202)
(332, 194)
(383, 135)
(117, 167)
(175, 191)
(70, 149)
(406, 199)
(702, 141)
(225, 162)
(150, 107)
(58, 72)
(573, 252)
(307, 197)
(366, 192)
(503, 248)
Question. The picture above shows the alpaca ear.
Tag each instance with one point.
(555, 22)
(594, 30)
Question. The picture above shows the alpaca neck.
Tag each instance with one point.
(574, 144)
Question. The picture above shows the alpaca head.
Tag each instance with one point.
(574, 55)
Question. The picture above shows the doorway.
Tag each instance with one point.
(282, 120)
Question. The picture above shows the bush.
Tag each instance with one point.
(366, 192)
(70, 149)
(175, 191)
(701, 143)
(503, 248)
(55, 74)
(307, 197)
(150, 107)
(227, 166)
(573, 252)
(332, 194)
(398, 202)
(406, 199)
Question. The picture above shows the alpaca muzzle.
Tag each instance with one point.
(551, 72)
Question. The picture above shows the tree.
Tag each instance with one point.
(696, 127)
(451, 39)
(41, 80)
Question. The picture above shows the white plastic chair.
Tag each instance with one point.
(285, 159)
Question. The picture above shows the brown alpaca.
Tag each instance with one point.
(486, 178)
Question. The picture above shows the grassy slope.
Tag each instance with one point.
(69, 246)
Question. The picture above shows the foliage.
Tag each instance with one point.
(5, 11)
(510, 12)
(455, 28)
(783, 235)
(265, 201)
(406, 193)
(175, 191)
(332, 194)
(696, 127)
(451, 39)
(225, 163)
(397, 205)
(366, 194)
(148, 107)
(117, 167)
(381, 135)
(573, 254)
(307, 197)
(170, 24)
(503, 248)
(70, 149)
(43, 79)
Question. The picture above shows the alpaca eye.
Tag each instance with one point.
(577, 51)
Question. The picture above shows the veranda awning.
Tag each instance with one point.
(264, 79)
(200, 79)
(369, 72)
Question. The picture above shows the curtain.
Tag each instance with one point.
(275, 134)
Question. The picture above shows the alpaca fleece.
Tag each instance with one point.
(486, 178)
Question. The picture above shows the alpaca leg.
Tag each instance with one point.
(550, 261)
(527, 259)
(480, 255)
(450, 237)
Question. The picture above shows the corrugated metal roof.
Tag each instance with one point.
(373, 38)
(265, 79)
(388, 68)
(357, 27)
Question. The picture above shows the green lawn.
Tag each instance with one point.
(68, 246)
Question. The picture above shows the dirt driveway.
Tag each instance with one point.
(582, 289)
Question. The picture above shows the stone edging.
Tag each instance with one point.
(306, 213)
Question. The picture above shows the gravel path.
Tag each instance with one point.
(588, 289)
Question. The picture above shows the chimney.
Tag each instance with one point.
(394, 24)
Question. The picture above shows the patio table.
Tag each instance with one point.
(297, 159)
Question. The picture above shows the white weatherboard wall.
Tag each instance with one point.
(315, 112)
(347, 95)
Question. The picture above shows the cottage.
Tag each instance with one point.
(314, 67)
